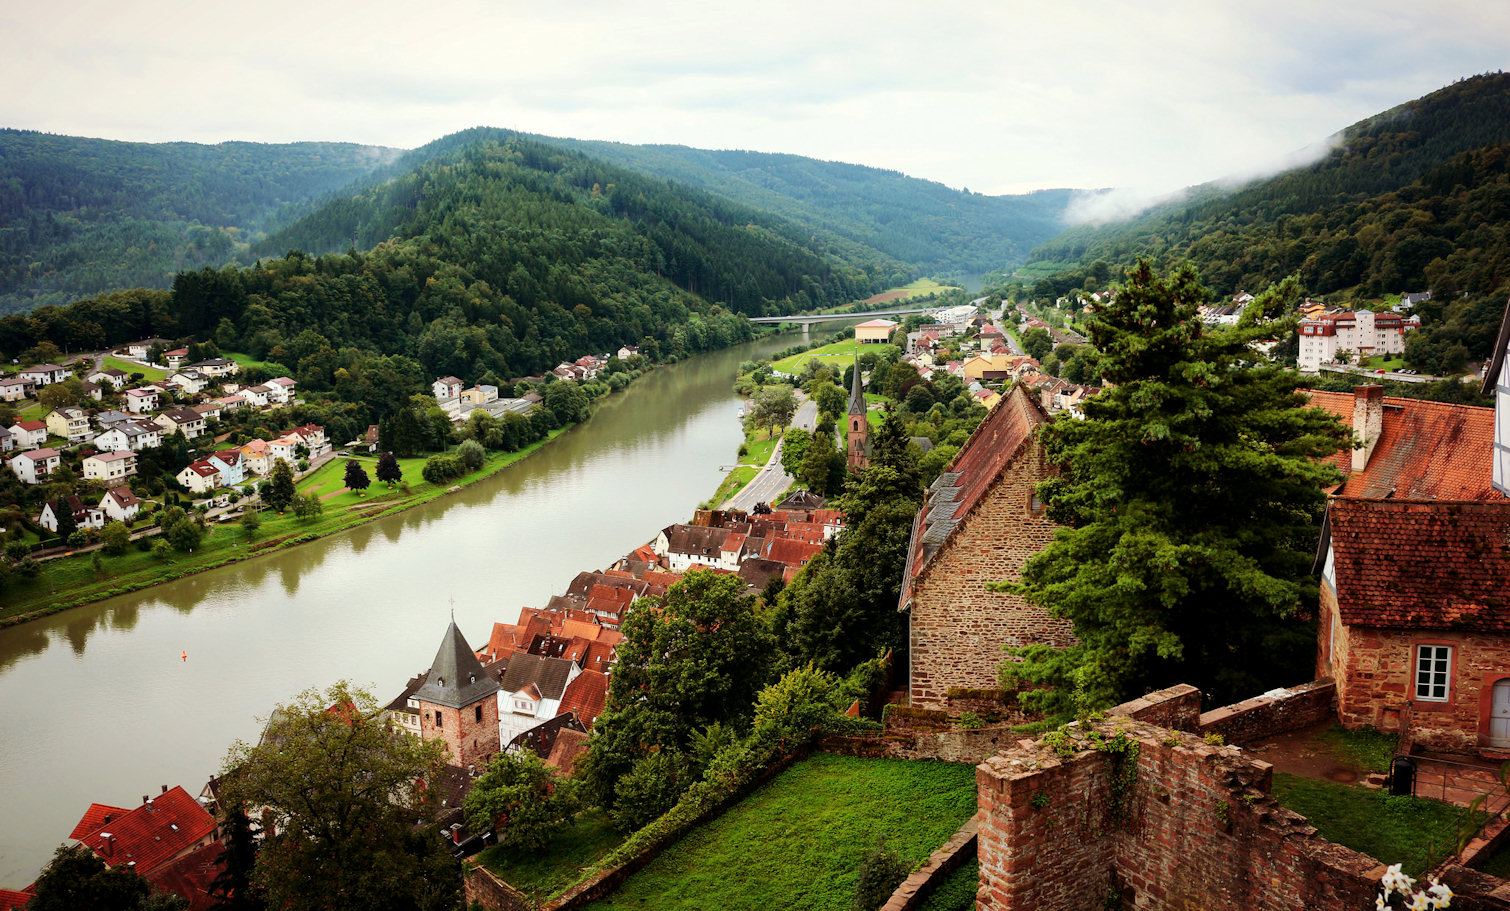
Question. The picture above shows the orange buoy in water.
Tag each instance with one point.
(185, 655)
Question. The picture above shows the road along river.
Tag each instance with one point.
(101, 704)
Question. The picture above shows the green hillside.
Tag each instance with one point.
(937, 229)
(82, 216)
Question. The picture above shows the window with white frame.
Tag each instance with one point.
(1433, 663)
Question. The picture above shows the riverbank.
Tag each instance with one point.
(73, 582)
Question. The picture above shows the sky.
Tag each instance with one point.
(997, 96)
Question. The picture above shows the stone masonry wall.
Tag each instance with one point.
(469, 741)
(957, 628)
(1199, 831)
(1262, 717)
(1380, 667)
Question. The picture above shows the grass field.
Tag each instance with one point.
(920, 288)
(797, 841)
(837, 355)
(1387, 363)
(561, 862)
(152, 374)
(70, 581)
(1410, 831)
(246, 360)
(1366, 749)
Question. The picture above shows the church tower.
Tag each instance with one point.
(857, 446)
(458, 703)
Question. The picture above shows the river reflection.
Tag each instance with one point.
(102, 706)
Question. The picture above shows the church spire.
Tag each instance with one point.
(856, 392)
(857, 440)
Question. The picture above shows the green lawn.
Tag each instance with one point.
(1386, 363)
(246, 360)
(838, 355)
(1410, 831)
(1366, 749)
(920, 288)
(561, 862)
(152, 374)
(758, 452)
(797, 841)
(956, 892)
(32, 412)
(71, 581)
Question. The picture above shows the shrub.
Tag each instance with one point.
(471, 454)
(442, 468)
(881, 871)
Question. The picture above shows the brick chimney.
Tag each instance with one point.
(1368, 422)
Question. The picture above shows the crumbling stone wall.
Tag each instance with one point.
(1185, 826)
(958, 629)
(1253, 720)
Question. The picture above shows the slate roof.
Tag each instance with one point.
(123, 497)
(696, 540)
(585, 696)
(1426, 451)
(1006, 431)
(549, 675)
(153, 833)
(456, 678)
(1422, 565)
(856, 392)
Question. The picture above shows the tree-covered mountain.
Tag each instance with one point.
(489, 261)
(939, 230)
(1416, 198)
(81, 216)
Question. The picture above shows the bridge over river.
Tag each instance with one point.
(806, 320)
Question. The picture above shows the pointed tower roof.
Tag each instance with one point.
(856, 391)
(456, 678)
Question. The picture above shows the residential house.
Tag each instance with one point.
(199, 477)
(132, 435)
(257, 457)
(190, 381)
(280, 390)
(875, 332)
(480, 394)
(112, 466)
(163, 829)
(44, 374)
(33, 466)
(685, 546)
(446, 387)
(175, 358)
(216, 367)
(1414, 623)
(29, 434)
(7, 440)
(69, 423)
(93, 390)
(141, 401)
(116, 378)
(256, 396)
(83, 516)
(231, 466)
(628, 351)
(16, 388)
(108, 418)
(120, 504)
(313, 436)
(530, 692)
(185, 420)
(286, 448)
(981, 520)
(210, 411)
(233, 402)
(138, 350)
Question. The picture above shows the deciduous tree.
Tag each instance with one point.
(523, 798)
(356, 476)
(278, 492)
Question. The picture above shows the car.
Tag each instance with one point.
(1380, 370)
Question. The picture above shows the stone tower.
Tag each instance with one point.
(857, 446)
(458, 703)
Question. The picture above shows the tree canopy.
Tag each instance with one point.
(1192, 497)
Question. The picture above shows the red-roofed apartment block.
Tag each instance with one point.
(980, 523)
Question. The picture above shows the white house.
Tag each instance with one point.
(231, 465)
(130, 435)
(116, 378)
(233, 402)
(141, 401)
(200, 477)
(7, 440)
(1497, 381)
(16, 388)
(109, 418)
(29, 434)
(186, 420)
(34, 466)
(83, 516)
(44, 374)
(256, 396)
(280, 390)
(120, 504)
(530, 692)
(110, 466)
(175, 358)
(216, 367)
(191, 381)
(447, 387)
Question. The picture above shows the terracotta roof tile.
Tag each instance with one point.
(10, 899)
(585, 696)
(1426, 450)
(191, 875)
(1419, 565)
(153, 833)
(95, 819)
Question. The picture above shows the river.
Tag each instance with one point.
(103, 707)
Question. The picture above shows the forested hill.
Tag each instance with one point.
(493, 261)
(939, 230)
(1430, 148)
(80, 216)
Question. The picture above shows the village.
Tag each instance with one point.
(1411, 642)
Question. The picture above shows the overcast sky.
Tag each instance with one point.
(993, 95)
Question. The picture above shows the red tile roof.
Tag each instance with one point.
(191, 875)
(1422, 565)
(95, 818)
(585, 696)
(1426, 450)
(10, 899)
(153, 833)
